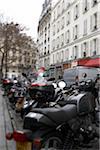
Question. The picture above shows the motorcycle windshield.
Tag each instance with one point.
(40, 79)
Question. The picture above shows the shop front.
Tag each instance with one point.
(89, 62)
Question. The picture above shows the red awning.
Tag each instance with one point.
(93, 63)
(89, 62)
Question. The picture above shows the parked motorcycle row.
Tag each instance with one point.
(54, 116)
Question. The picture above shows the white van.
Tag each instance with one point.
(79, 73)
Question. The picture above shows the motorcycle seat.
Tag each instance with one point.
(58, 115)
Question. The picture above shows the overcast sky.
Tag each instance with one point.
(25, 12)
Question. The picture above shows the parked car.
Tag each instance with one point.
(79, 73)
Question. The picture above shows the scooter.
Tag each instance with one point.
(64, 127)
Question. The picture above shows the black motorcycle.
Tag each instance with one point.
(68, 126)
(40, 92)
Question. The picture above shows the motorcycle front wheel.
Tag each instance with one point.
(52, 143)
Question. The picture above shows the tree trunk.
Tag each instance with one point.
(2, 64)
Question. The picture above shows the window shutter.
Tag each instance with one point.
(88, 2)
(98, 19)
(77, 31)
(69, 36)
(77, 53)
(98, 47)
(65, 37)
(74, 15)
(92, 2)
(91, 23)
(83, 6)
(87, 49)
(91, 48)
(82, 50)
(73, 32)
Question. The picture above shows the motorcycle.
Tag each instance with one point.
(41, 92)
(65, 127)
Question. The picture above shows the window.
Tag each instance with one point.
(57, 57)
(94, 2)
(44, 41)
(67, 36)
(48, 25)
(58, 41)
(58, 26)
(85, 6)
(94, 46)
(75, 52)
(53, 44)
(48, 49)
(54, 16)
(85, 27)
(45, 50)
(76, 12)
(58, 11)
(93, 24)
(62, 39)
(53, 59)
(67, 3)
(84, 49)
(62, 56)
(68, 18)
(75, 32)
(45, 28)
(48, 39)
(54, 30)
(66, 54)
(62, 6)
(62, 23)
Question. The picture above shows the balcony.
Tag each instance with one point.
(84, 54)
(76, 16)
(67, 41)
(85, 9)
(44, 53)
(95, 27)
(75, 37)
(94, 2)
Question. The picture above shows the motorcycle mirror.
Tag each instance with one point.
(24, 74)
(55, 85)
(15, 81)
(62, 84)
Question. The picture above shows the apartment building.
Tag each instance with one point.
(44, 40)
(26, 59)
(74, 33)
(75, 30)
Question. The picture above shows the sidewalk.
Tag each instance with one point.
(5, 126)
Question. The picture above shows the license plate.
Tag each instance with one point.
(23, 146)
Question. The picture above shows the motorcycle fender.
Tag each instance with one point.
(39, 133)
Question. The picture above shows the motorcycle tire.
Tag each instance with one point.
(52, 142)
